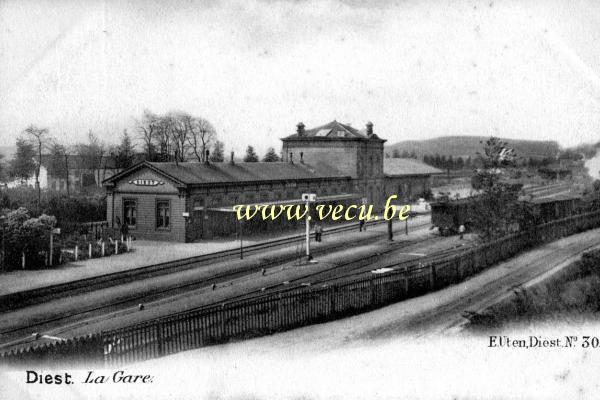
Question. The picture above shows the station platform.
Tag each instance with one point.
(146, 253)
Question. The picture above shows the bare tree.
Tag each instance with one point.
(179, 127)
(92, 155)
(40, 138)
(175, 136)
(202, 135)
(148, 128)
(58, 164)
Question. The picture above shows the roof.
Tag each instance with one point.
(407, 166)
(195, 173)
(333, 130)
(320, 199)
(553, 198)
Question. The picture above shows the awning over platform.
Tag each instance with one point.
(323, 199)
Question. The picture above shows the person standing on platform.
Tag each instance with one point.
(461, 231)
(318, 232)
(124, 231)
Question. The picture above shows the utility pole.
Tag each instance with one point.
(308, 198)
(241, 243)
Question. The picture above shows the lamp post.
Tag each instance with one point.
(308, 198)
(186, 218)
(241, 242)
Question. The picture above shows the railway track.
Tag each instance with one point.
(153, 295)
(351, 268)
(22, 299)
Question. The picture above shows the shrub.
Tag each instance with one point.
(26, 235)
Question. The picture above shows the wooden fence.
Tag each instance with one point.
(296, 307)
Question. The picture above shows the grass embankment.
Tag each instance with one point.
(571, 296)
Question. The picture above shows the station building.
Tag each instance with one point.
(188, 201)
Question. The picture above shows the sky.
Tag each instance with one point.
(416, 69)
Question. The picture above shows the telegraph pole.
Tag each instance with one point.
(308, 198)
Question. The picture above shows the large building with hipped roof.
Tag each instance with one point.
(188, 201)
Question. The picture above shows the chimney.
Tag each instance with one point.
(232, 158)
(302, 157)
(291, 158)
(369, 129)
(207, 154)
(300, 129)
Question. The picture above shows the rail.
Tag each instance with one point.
(30, 297)
(279, 311)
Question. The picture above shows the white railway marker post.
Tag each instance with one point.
(308, 198)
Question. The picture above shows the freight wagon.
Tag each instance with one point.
(449, 215)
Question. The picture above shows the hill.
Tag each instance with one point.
(466, 146)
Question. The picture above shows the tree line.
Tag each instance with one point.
(171, 137)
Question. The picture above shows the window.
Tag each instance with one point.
(163, 214)
(129, 212)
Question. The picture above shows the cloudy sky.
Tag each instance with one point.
(417, 69)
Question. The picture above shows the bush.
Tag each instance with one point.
(64, 208)
(26, 235)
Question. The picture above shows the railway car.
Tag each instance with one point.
(559, 206)
(449, 215)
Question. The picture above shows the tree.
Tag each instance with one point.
(395, 153)
(405, 154)
(175, 136)
(218, 152)
(413, 155)
(450, 163)
(2, 168)
(22, 166)
(496, 209)
(271, 155)
(202, 134)
(460, 163)
(148, 129)
(124, 152)
(92, 157)
(58, 163)
(39, 137)
(251, 155)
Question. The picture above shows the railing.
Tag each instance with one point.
(93, 229)
(274, 312)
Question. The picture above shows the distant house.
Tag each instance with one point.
(79, 172)
(407, 178)
(43, 179)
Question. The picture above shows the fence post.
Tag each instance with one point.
(103, 249)
(332, 300)
(159, 339)
(23, 260)
(89, 250)
(76, 252)
(116, 247)
(372, 287)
